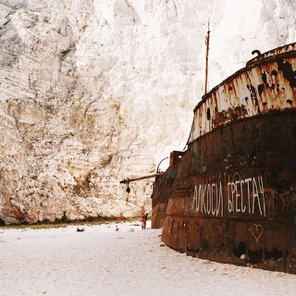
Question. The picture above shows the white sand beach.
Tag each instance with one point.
(103, 261)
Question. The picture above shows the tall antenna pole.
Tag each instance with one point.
(207, 56)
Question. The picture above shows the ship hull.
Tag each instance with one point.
(233, 196)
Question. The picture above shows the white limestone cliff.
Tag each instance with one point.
(95, 91)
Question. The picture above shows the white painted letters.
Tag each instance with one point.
(243, 196)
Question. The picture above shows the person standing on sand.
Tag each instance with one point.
(144, 220)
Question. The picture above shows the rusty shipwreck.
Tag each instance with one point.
(231, 195)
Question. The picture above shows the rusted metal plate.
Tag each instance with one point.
(266, 85)
(160, 196)
(237, 186)
(162, 188)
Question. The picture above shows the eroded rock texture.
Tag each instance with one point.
(95, 91)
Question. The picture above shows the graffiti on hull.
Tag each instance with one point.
(241, 196)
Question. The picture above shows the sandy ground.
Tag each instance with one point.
(103, 261)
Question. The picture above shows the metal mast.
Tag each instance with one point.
(207, 56)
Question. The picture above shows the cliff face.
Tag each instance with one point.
(94, 91)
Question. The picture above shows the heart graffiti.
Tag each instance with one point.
(257, 231)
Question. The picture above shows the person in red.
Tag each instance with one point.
(144, 220)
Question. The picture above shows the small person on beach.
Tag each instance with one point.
(144, 220)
